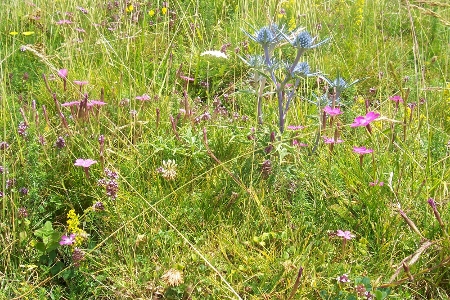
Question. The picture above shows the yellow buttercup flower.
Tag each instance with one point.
(26, 33)
(129, 8)
(151, 13)
(13, 33)
(164, 10)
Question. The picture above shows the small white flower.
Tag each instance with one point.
(215, 53)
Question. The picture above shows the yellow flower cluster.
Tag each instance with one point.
(73, 224)
(359, 12)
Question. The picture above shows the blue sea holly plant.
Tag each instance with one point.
(284, 75)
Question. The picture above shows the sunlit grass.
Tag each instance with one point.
(210, 204)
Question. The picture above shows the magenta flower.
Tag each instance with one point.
(362, 150)
(376, 183)
(332, 111)
(85, 163)
(144, 97)
(80, 83)
(396, 98)
(346, 235)
(330, 140)
(295, 127)
(72, 103)
(95, 103)
(343, 278)
(185, 78)
(67, 240)
(365, 120)
(298, 144)
(63, 73)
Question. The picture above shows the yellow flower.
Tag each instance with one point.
(360, 99)
(164, 10)
(28, 33)
(292, 24)
(129, 8)
(13, 33)
(151, 13)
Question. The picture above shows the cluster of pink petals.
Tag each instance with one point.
(295, 127)
(85, 163)
(365, 120)
(144, 97)
(362, 150)
(67, 240)
(396, 98)
(346, 235)
(330, 140)
(332, 111)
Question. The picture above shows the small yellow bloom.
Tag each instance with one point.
(129, 8)
(26, 33)
(360, 99)
(13, 33)
(292, 24)
(151, 13)
(164, 10)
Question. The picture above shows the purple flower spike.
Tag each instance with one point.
(67, 240)
(346, 235)
(432, 203)
(365, 120)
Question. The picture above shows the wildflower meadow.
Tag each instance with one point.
(224, 149)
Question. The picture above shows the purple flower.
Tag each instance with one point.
(60, 142)
(4, 145)
(362, 150)
(332, 111)
(343, 278)
(95, 103)
(23, 212)
(67, 240)
(330, 140)
(376, 183)
(346, 235)
(298, 144)
(77, 256)
(82, 9)
(432, 203)
(365, 120)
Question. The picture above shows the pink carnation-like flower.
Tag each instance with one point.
(365, 120)
(63, 73)
(144, 97)
(362, 150)
(85, 163)
(346, 235)
(62, 22)
(67, 240)
(80, 83)
(396, 98)
(332, 111)
(295, 127)
(330, 140)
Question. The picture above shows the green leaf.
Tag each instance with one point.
(40, 247)
(57, 268)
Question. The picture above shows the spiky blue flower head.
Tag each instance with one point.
(339, 83)
(265, 36)
(301, 69)
(303, 40)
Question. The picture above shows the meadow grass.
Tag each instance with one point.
(189, 196)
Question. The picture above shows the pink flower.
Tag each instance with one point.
(95, 103)
(185, 78)
(343, 278)
(376, 182)
(63, 73)
(346, 235)
(62, 22)
(330, 140)
(295, 127)
(67, 240)
(80, 83)
(85, 163)
(362, 150)
(298, 144)
(144, 97)
(332, 111)
(72, 103)
(365, 120)
(396, 98)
